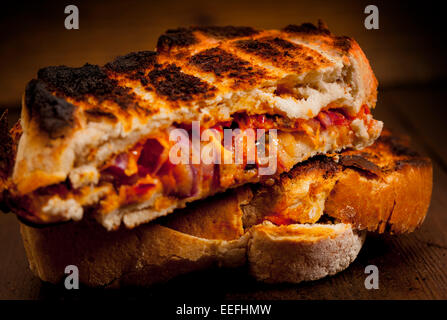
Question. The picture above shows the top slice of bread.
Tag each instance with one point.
(77, 116)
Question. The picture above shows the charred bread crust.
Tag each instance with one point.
(54, 115)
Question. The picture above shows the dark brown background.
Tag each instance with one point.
(407, 53)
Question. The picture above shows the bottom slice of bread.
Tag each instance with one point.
(155, 253)
(206, 234)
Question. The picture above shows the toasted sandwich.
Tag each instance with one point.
(314, 226)
(97, 139)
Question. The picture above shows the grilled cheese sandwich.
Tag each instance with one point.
(95, 138)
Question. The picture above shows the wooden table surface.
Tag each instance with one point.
(410, 266)
(405, 52)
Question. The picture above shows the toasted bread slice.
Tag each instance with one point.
(155, 253)
(233, 228)
(78, 122)
(147, 254)
(384, 187)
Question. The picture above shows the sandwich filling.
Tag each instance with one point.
(145, 177)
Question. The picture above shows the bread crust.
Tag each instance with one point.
(149, 254)
(296, 253)
(154, 253)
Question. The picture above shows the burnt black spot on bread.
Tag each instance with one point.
(172, 83)
(308, 28)
(361, 163)
(222, 63)
(259, 48)
(283, 44)
(99, 113)
(89, 79)
(227, 32)
(320, 163)
(77, 82)
(52, 113)
(181, 37)
(133, 61)
(343, 43)
(282, 53)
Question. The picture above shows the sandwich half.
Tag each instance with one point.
(314, 225)
(98, 138)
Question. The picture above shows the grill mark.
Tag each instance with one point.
(96, 112)
(176, 85)
(339, 42)
(77, 82)
(308, 28)
(54, 115)
(361, 163)
(259, 48)
(181, 37)
(222, 63)
(90, 79)
(227, 32)
(132, 62)
(283, 54)
(343, 43)
(319, 162)
(283, 44)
